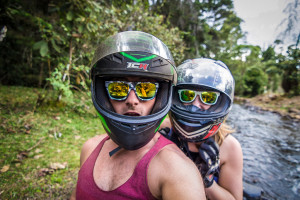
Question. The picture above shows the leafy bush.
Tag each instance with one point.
(254, 81)
(63, 35)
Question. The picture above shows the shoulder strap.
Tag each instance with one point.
(93, 156)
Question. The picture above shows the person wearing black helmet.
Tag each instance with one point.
(132, 78)
(202, 99)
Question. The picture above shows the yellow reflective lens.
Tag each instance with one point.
(187, 95)
(209, 97)
(146, 90)
(118, 90)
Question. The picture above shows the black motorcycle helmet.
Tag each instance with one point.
(191, 123)
(132, 53)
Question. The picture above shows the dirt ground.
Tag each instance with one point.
(280, 104)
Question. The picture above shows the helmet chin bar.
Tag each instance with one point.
(191, 108)
(130, 132)
(190, 135)
(199, 135)
(196, 130)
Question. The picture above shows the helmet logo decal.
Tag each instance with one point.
(135, 65)
(212, 130)
(138, 59)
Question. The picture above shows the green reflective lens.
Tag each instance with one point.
(187, 95)
(207, 97)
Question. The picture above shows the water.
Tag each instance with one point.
(271, 150)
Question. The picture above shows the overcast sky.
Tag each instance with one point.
(261, 19)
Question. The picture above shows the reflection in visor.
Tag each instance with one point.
(207, 97)
(119, 90)
(132, 41)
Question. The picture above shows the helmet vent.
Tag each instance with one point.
(117, 58)
(136, 125)
(114, 57)
(158, 62)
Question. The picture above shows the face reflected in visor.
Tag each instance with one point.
(206, 97)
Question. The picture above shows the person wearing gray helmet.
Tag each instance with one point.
(132, 78)
(202, 99)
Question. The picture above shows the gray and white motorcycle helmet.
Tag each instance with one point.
(191, 123)
(132, 53)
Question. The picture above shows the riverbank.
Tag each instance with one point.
(286, 107)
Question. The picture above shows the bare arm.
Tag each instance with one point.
(73, 195)
(176, 175)
(230, 184)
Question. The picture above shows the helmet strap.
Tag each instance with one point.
(185, 148)
(114, 151)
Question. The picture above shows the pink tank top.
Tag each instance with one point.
(136, 187)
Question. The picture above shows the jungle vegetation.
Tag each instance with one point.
(50, 43)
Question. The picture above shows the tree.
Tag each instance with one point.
(269, 60)
(212, 28)
(254, 81)
(61, 36)
(291, 71)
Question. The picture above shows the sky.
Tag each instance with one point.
(261, 20)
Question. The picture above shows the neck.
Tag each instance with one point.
(116, 152)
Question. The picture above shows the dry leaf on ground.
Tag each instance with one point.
(56, 166)
(5, 168)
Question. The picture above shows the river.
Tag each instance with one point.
(271, 150)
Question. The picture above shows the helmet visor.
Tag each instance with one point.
(132, 41)
(208, 73)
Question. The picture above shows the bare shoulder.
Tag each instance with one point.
(231, 148)
(89, 146)
(172, 154)
(231, 142)
(176, 175)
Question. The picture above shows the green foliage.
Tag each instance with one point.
(31, 141)
(268, 54)
(255, 81)
(291, 71)
(238, 68)
(57, 81)
(212, 28)
(51, 43)
(61, 36)
(136, 17)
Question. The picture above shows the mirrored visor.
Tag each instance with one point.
(203, 72)
(132, 41)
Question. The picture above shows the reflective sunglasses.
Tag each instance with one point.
(119, 90)
(208, 98)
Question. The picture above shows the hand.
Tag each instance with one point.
(209, 161)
